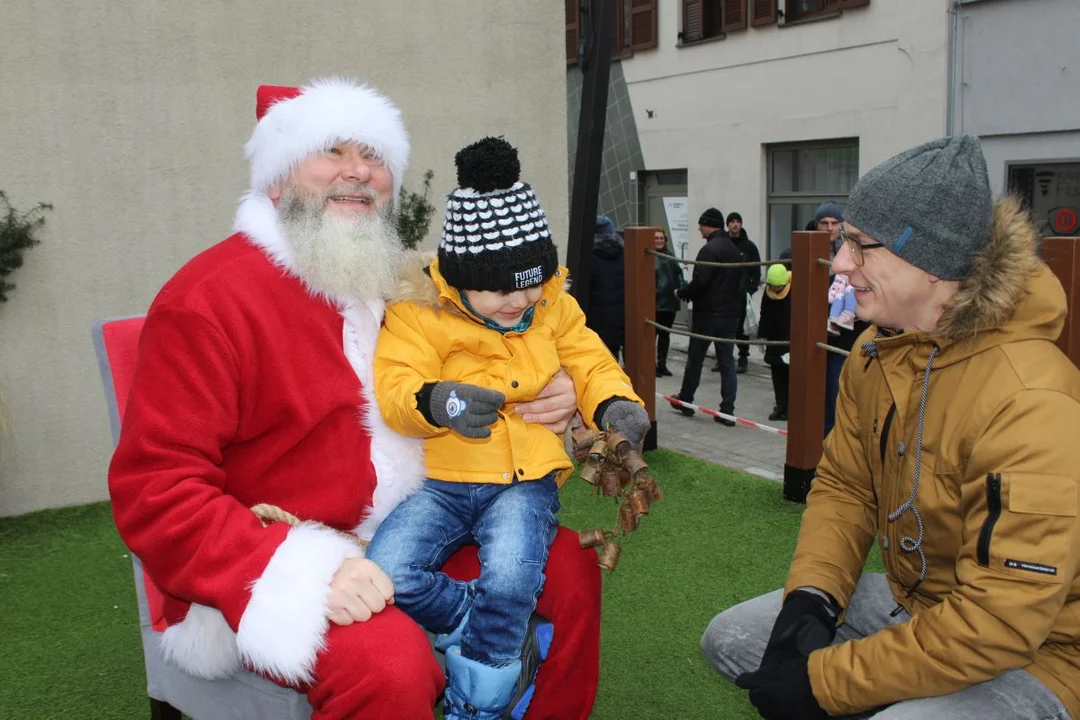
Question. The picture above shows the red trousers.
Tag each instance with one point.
(385, 668)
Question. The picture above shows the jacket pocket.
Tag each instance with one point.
(993, 502)
(1034, 534)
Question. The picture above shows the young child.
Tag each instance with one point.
(482, 328)
(775, 324)
(841, 304)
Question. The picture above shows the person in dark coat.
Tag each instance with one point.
(751, 280)
(775, 324)
(607, 291)
(669, 277)
(719, 302)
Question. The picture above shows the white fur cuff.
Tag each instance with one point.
(284, 626)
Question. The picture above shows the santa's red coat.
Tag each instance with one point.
(250, 389)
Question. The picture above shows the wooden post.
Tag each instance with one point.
(1062, 254)
(639, 350)
(806, 391)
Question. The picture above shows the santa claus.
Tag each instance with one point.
(253, 386)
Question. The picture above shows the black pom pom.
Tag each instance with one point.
(488, 164)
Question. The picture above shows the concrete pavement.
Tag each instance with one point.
(743, 448)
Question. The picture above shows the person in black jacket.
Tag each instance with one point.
(607, 293)
(748, 252)
(775, 324)
(719, 300)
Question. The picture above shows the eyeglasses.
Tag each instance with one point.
(856, 248)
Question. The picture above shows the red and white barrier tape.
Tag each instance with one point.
(714, 413)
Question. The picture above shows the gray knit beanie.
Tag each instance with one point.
(930, 205)
(829, 208)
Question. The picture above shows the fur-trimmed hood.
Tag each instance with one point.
(414, 284)
(1010, 294)
(419, 282)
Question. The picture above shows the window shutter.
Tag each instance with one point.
(573, 25)
(620, 37)
(642, 24)
(828, 6)
(734, 14)
(693, 20)
(848, 4)
(763, 13)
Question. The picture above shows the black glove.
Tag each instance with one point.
(628, 418)
(807, 622)
(466, 409)
(783, 692)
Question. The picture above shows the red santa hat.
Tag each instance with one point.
(296, 122)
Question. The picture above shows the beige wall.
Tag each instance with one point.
(878, 74)
(129, 116)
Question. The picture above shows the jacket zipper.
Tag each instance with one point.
(882, 444)
(993, 502)
(885, 433)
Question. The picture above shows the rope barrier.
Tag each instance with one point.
(725, 416)
(833, 350)
(272, 513)
(716, 339)
(706, 263)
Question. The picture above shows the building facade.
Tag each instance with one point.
(130, 118)
(767, 107)
(1015, 82)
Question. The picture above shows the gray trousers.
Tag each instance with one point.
(735, 641)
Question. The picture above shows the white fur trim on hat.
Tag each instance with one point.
(327, 111)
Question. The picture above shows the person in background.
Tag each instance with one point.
(828, 217)
(606, 313)
(775, 324)
(841, 305)
(719, 301)
(668, 279)
(751, 280)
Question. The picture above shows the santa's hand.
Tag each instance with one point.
(554, 406)
(358, 591)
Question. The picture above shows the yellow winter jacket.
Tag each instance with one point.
(428, 336)
(988, 454)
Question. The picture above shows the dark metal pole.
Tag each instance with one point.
(594, 58)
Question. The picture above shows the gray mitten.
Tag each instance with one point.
(627, 418)
(466, 409)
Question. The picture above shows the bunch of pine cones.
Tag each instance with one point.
(615, 468)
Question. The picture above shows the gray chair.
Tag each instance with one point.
(245, 696)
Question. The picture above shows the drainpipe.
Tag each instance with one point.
(952, 46)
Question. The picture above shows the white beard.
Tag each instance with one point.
(355, 256)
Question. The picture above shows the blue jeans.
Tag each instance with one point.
(833, 365)
(514, 525)
(713, 326)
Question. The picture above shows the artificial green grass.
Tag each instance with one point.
(717, 538)
(69, 646)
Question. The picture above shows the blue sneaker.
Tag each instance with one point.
(533, 652)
